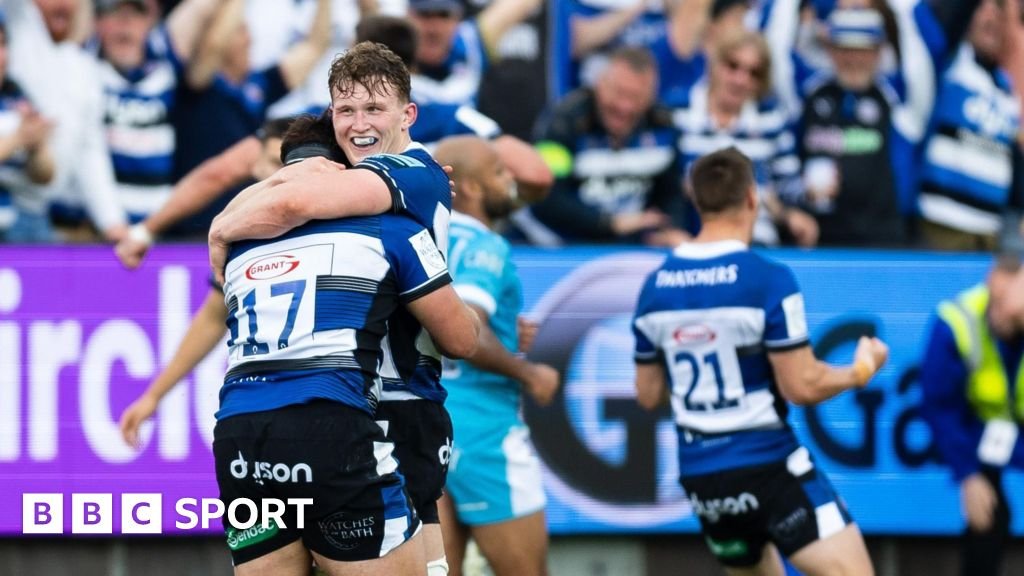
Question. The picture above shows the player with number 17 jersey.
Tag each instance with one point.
(308, 311)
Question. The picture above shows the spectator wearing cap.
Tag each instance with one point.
(63, 81)
(971, 157)
(142, 63)
(24, 160)
(847, 139)
(853, 118)
(732, 106)
(453, 54)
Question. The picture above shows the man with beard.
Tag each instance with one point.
(494, 491)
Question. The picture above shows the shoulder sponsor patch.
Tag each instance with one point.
(796, 319)
(430, 257)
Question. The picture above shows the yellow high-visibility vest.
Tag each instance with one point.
(987, 386)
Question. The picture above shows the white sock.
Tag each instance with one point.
(438, 567)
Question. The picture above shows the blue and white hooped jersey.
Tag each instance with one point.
(483, 275)
(419, 188)
(761, 131)
(138, 115)
(13, 180)
(457, 80)
(711, 313)
(411, 367)
(968, 159)
(308, 312)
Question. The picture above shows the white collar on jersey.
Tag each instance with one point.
(414, 145)
(708, 250)
(467, 220)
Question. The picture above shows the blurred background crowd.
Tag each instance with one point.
(883, 123)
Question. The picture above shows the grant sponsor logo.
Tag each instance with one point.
(271, 267)
(693, 334)
(713, 509)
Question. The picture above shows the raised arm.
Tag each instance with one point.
(781, 32)
(1012, 59)
(300, 59)
(499, 17)
(185, 24)
(204, 184)
(93, 170)
(527, 166)
(954, 16)
(209, 55)
(589, 34)
(805, 380)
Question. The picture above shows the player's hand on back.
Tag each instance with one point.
(218, 260)
(542, 383)
(868, 359)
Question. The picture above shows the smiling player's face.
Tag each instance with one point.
(368, 123)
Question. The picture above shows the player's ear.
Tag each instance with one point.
(470, 188)
(409, 114)
(752, 197)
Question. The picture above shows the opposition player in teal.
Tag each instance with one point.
(494, 491)
(721, 332)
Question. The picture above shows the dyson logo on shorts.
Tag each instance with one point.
(269, 471)
(730, 506)
(444, 453)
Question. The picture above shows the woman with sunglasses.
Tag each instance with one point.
(732, 106)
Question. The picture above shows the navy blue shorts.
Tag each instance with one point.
(331, 453)
(789, 503)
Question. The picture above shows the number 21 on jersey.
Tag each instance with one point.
(706, 378)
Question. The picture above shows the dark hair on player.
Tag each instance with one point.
(308, 136)
(720, 180)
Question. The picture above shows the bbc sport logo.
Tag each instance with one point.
(93, 513)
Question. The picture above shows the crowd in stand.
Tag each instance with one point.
(889, 123)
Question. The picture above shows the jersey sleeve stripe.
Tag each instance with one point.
(397, 198)
(646, 357)
(426, 288)
(784, 345)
